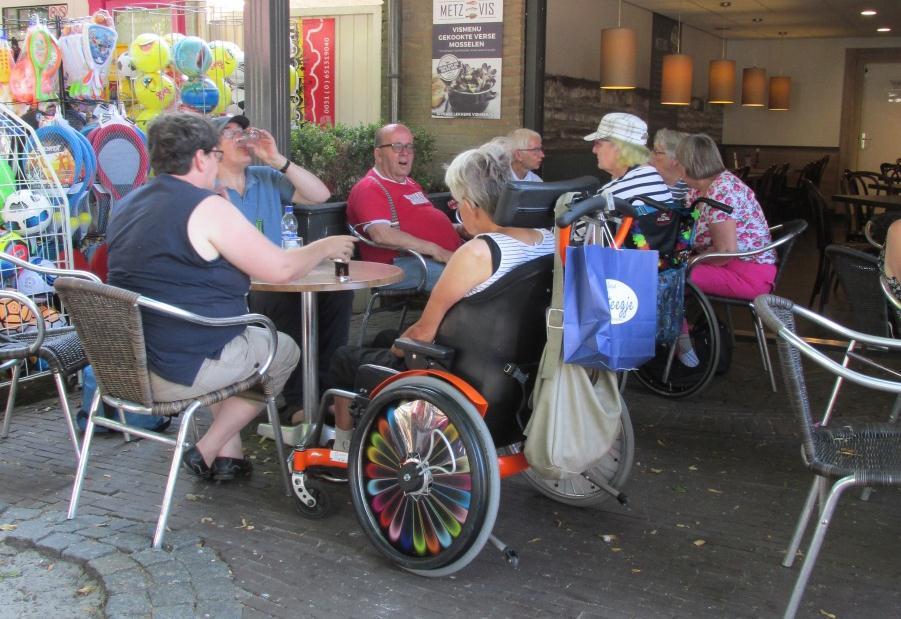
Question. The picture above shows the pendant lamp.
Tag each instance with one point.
(753, 87)
(618, 58)
(675, 88)
(780, 93)
(618, 55)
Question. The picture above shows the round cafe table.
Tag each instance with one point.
(322, 279)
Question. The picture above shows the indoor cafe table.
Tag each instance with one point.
(889, 203)
(322, 279)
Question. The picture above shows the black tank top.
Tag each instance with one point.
(149, 253)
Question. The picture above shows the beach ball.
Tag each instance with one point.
(200, 94)
(14, 316)
(155, 91)
(26, 212)
(225, 59)
(13, 244)
(172, 40)
(143, 118)
(192, 56)
(237, 77)
(45, 262)
(52, 318)
(125, 68)
(149, 53)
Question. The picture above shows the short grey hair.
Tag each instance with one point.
(700, 156)
(479, 175)
(668, 140)
(519, 138)
(174, 138)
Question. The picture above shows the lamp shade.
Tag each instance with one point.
(618, 58)
(721, 81)
(676, 86)
(780, 93)
(753, 87)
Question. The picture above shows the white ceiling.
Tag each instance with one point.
(797, 18)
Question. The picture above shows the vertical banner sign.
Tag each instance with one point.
(319, 70)
(467, 51)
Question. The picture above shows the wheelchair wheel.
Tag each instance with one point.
(665, 375)
(583, 491)
(424, 477)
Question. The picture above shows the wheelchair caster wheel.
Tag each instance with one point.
(512, 558)
(310, 497)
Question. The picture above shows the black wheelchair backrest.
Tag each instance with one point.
(501, 328)
(531, 205)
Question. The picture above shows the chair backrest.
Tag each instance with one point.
(858, 182)
(858, 274)
(820, 213)
(764, 184)
(784, 237)
(891, 170)
(108, 322)
(531, 205)
(503, 324)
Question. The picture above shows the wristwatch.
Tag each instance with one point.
(285, 167)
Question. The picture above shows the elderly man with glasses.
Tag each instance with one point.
(259, 192)
(526, 154)
(393, 210)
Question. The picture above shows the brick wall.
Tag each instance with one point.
(453, 136)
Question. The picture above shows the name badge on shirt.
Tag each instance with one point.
(417, 198)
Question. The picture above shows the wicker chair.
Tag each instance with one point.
(108, 321)
(392, 298)
(60, 348)
(784, 237)
(851, 454)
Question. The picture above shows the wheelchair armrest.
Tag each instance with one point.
(357, 231)
(792, 229)
(420, 355)
(231, 321)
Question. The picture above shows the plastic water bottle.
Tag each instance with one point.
(289, 229)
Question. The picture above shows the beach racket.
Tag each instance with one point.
(122, 158)
(45, 57)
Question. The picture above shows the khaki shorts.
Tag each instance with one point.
(238, 359)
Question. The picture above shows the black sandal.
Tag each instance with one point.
(192, 460)
(226, 469)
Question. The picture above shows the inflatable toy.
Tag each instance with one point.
(149, 53)
(26, 212)
(192, 56)
(155, 91)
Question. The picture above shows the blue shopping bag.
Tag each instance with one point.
(609, 307)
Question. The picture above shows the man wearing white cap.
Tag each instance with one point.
(620, 146)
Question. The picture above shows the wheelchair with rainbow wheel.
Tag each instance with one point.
(432, 443)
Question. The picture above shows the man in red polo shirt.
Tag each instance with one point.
(392, 209)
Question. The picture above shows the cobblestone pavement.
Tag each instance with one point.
(713, 497)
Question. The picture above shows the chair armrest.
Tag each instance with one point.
(887, 291)
(49, 270)
(35, 345)
(357, 231)
(793, 230)
(232, 321)
(416, 350)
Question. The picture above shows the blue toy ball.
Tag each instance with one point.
(192, 56)
(43, 262)
(201, 95)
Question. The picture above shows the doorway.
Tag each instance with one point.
(880, 116)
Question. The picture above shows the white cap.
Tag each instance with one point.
(621, 126)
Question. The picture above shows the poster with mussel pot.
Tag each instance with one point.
(467, 52)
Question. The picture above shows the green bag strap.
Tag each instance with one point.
(554, 318)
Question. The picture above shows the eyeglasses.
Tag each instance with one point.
(660, 153)
(538, 149)
(215, 152)
(232, 134)
(398, 147)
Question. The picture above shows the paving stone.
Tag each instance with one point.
(128, 542)
(57, 542)
(3, 507)
(21, 513)
(181, 611)
(151, 556)
(168, 594)
(124, 581)
(168, 572)
(111, 563)
(66, 526)
(212, 589)
(128, 605)
(218, 610)
(87, 550)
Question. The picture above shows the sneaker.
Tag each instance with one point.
(686, 352)
(193, 461)
(226, 469)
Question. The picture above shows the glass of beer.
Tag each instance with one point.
(342, 270)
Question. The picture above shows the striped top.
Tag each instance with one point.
(508, 253)
(679, 189)
(643, 180)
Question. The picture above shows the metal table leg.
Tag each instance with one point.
(309, 338)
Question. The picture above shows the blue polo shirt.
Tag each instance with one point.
(266, 191)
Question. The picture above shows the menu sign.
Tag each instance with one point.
(467, 52)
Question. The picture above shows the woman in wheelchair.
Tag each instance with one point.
(745, 229)
(476, 179)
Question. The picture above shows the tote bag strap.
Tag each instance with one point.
(554, 316)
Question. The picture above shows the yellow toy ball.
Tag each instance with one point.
(225, 60)
(149, 53)
(292, 79)
(155, 91)
(172, 38)
(225, 98)
(143, 118)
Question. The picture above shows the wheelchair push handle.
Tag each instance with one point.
(714, 203)
(581, 209)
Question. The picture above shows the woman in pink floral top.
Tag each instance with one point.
(745, 229)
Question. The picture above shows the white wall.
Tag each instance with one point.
(817, 68)
(574, 41)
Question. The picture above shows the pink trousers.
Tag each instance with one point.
(737, 279)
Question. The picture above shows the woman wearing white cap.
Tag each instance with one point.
(620, 146)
